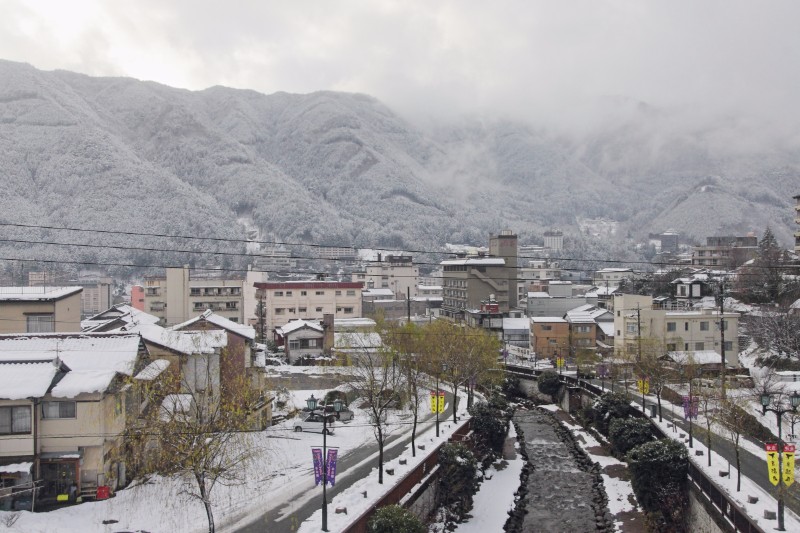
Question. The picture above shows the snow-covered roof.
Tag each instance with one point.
(539, 294)
(429, 287)
(27, 379)
(601, 291)
(367, 293)
(176, 403)
(483, 261)
(243, 330)
(517, 323)
(607, 327)
(153, 370)
(187, 342)
(614, 269)
(36, 294)
(16, 468)
(121, 313)
(795, 305)
(294, 325)
(356, 340)
(700, 357)
(543, 319)
(93, 358)
(358, 322)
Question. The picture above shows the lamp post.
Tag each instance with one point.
(312, 406)
(779, 409)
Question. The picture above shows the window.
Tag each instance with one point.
(279, 310)
(685, 346)
(671, 347)
(546, 327)
(194, 291)
(303, 293)
(301, 309)
(631, 328)
(338, 293)
(278, 293)
(40, 323)
(728, 345)
(320, 293)
(318, 309)
(685, 326)
(294, 344)
(351, 293)
(699, 346)
(15, 419)
(58, 409)
(291, 309)
(552, 341)
(288, 293)
(338, 309)
(348, 310)
(671, 326)
(704, 326)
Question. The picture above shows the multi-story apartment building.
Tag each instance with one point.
(40, 309)
(536, 271)
(307, 300)
(797, 221)
(683, 330)
(179, 296)
(394, 272)
(554, 240)
(468, 281)
(505, 245)
(611, 277)
(725, 252)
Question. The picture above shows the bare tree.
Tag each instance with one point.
(190, 431)
(653, 365)
(375, 377)
(708, 406)
(733, 417)
(406, 342)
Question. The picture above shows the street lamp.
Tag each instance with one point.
(779, 410)
(312, 406)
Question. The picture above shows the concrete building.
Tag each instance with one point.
(797, 221)
(682, 330)
(40, 309)
(549, 336)
(180, 295)
(611, 277)
(536, 272)
(394, 272)
(554, 240)
(469, 281)
(725, 252)
(505, 245)
(307, 300)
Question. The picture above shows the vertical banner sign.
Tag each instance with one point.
(695, 406)
(434, 408)
(441, 401)
(686, 410)
(332, 453)
(788, 464)
(602, 371)
(639, 385)
(646, 385)
(317, 454)
(772, 463)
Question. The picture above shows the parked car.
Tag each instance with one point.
(314, 422)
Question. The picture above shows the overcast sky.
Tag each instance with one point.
(527, 58)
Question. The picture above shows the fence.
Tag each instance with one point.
(405, 486)
(725, 509)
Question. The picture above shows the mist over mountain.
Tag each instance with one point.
(343, 169)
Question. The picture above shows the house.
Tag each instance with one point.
(591, 328)
(40, 309)
(116, 317)
(706, 361)
(63, 407)
(301, 340)
(549, 336)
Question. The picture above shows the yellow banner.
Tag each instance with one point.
(646, 386)
(441, 402)
(772, 464)
(433, 402)
(788, 464)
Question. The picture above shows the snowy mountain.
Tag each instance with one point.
(335, 168)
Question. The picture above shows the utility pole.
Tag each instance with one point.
(408, 303)
(639, 333)
(721, 302)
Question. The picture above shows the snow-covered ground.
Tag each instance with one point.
(495, 497)
(280, 471)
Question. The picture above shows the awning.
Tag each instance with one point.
(61, 456)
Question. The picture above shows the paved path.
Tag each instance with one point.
(287, 515)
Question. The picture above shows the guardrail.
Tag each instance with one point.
(407, 483)
(726, 509)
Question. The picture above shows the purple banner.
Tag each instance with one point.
(317, 454)
(602, 371)
(690, 409)
(695, 406)
(332, 453)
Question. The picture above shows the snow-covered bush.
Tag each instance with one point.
(627, 433)
(395, 519)
(658, 476)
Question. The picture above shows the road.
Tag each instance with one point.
(753, 467)
(287, 515)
